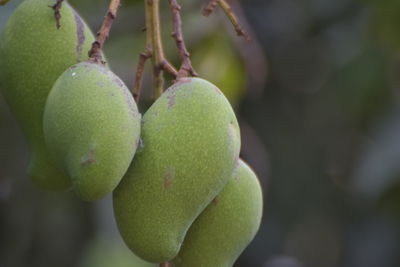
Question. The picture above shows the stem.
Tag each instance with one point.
(186, 68)
(210, 8)
(139, 73)
(56, 7)
(165, 264)
(103, 33)
(252, 54)
(158, 52)
(229, 13)
(154, 42)
(234, 20)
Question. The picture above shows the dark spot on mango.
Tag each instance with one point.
(118, 82)
(171, 99)
(169, 177)
(215, 200)
(88, 159)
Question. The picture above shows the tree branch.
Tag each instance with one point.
(103, 33)
(154, 42)
(229, 13)
(210, 8)
(139, 73)
(186, 68)
(56, 7)
(232, 17)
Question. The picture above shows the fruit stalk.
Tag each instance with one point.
(154, 50)
(144, 56)
(186, 67)
(95, 53)
(154, 36)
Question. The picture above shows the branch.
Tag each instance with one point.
(234, 20)
(186, 66)
(253, 55)
(165, 264)
(154, 42)
(229, 13)
(139, 73)
(210, 8)
(56, 7)
(103, 33)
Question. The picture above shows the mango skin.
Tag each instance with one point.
(92, 128)
(225, 228)
(34, 53)
(191, 141)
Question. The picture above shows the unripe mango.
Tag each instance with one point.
(34, 54)
(225, 228)
(191, 142)
(92, 128)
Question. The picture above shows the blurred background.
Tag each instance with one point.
(317, 96)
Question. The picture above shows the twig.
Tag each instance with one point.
(229, 13)
(186, 66)
(210, 8)
(232, 17)
(139, 73)
(154, 43)
(165, 264)
(103, 33)
(154, 36)
(3, 2)
(252, 54)
(56, 7)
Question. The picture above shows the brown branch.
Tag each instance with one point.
(186, 68)
(56, 7)
(165, 264)
(229, 13)
(139, 73)
(102, 35)
(252, 54)
(166, 66)
(234, 20)
(210, 8)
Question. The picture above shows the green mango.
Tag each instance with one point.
(34, 54)
(191, 142)
(92, 128)
(225, 228)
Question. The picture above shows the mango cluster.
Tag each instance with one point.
(187, 193)
(180, 191)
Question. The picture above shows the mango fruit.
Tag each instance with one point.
(34, 53)
(191, 142)
(92, 128)
(225, 228)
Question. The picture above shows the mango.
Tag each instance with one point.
(225, 228)
(191, 142)
(92, 128)
(34, 53)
